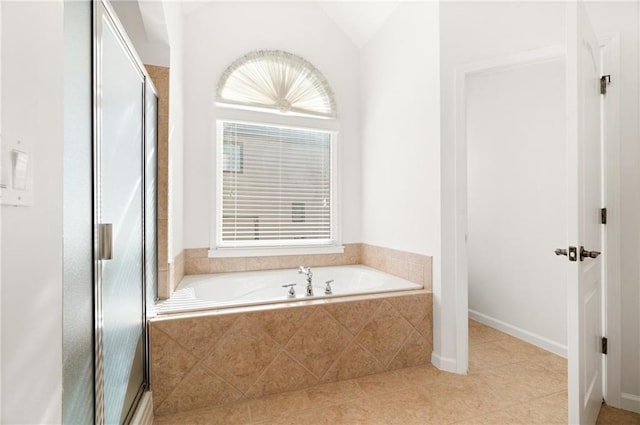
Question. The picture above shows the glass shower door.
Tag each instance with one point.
(120, 205)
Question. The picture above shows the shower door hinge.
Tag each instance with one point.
(603, 215)
(603, 345)
(604, 81)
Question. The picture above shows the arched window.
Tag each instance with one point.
(278, 81)
(276, 184)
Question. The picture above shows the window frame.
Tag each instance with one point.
(217, 247)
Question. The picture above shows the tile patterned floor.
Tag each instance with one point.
(509, 382)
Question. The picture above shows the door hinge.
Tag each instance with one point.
(603, 345)
(603, 216)
(604, 81)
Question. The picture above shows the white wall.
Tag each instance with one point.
(32, 105)
(401, 142)
(174, 17)
(470, 32)
(516, 156)
(217, 34)
(400, 132)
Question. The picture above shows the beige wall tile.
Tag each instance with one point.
(197, 335)
(163, 284)
(199, 389)
(195, 253)
(319, 342)
(200, 361)
(415, 351)
(242, 355)
(398, 267)
(178, 272)
(283, 375)
(416, 273)
(281, 324)
(354, 362)
(354, 315)
(170, 363)
(163, 258)
(195, 259)
(385, 334)
(160, 77)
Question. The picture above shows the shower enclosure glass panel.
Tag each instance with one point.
(120, 203)
(78, 382)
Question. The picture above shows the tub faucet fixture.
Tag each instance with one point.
(307, 271)
(327, 289)
(292, 291)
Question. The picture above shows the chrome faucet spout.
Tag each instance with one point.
(307, 272)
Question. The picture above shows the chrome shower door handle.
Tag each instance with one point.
(105, 241)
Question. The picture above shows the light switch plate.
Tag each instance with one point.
(16, 173)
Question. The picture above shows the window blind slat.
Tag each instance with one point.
(276, 184)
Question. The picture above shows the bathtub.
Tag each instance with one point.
(239, 337)
(224, 290)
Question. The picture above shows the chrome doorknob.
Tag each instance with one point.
(588, 254)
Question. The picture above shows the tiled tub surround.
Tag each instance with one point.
(223, 356)
(415, 268)
(160, 77)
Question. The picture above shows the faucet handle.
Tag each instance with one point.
(327, 290)
(292, 291)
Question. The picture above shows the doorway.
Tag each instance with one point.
(516, 163)
(585, 76)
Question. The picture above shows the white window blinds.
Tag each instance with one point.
(275, 186)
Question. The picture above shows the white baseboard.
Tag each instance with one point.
(447, 364)
(519, 333)
(144, 412)
(630, 402)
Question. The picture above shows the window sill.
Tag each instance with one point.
(274, 251)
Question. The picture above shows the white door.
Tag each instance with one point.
(584, 226)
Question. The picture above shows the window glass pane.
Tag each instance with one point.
(276, 185)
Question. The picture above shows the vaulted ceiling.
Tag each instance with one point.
(359, 20)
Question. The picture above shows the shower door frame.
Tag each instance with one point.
(100, 9)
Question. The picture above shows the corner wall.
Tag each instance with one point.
(400, 121)
(32, 268)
